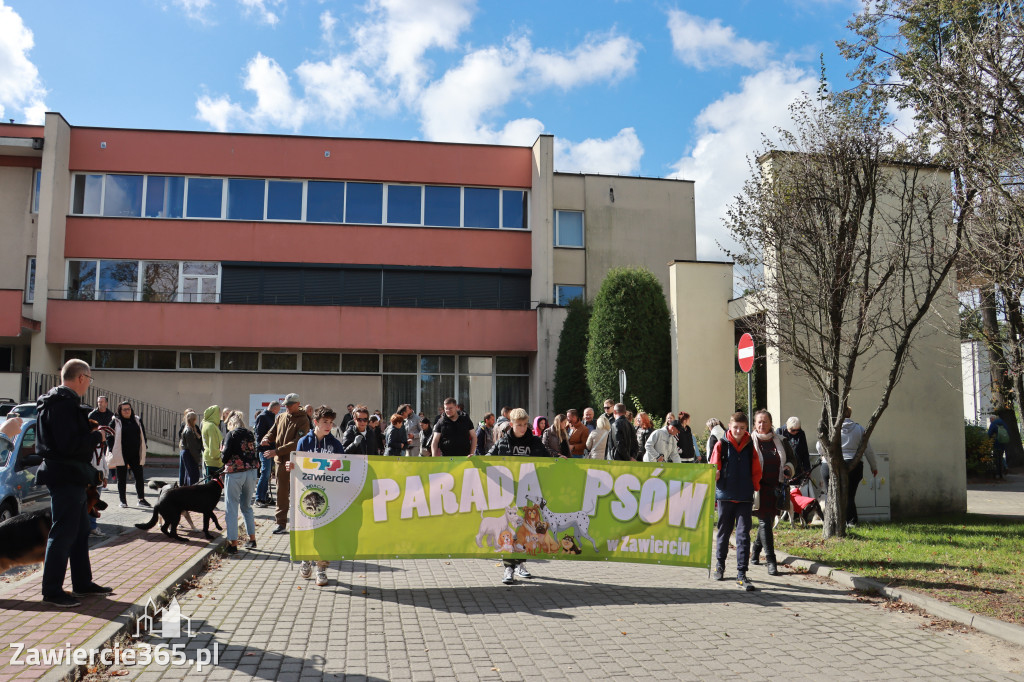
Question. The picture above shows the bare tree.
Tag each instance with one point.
(960, 67)
(847, 239)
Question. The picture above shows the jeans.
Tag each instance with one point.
(765, 539)
(855, 476)
(122, 478)
(730, 513)
(238, 488)
(188, 469)
(68, 541)
(263, 486)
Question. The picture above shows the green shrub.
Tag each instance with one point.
(629, 329)
(571, 388)
(979, 450)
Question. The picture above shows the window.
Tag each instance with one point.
(123, 196)
(404, 203)
(87, 194)
(204, 197)
(114, 358)
(165, 196)
(199, 282)
(364, 202)
(280, 362)
(513, 209)
(160, 281)
(325, 202)
(358, 363)
(400, 364)
(442, 206)
(245, 199)
(192, 360)
(30, 280)
(82, 280)
(566, 292)
(480, 207)
(569, 228)
(37, 184)
(433, 364)
(320, 362)
(119, 280)
(238, 361)
(78, 355)
(284, 200)
(157, 359)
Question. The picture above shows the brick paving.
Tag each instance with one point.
(453, 620)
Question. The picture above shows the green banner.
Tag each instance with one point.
(358, 507)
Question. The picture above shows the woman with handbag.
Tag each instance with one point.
(773, 452)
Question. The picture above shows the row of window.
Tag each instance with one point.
(133, 280)
(318, 363)
(314, 201)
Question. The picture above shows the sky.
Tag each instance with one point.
(679, 89)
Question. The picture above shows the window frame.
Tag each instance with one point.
(581, 287)
(141, 269)
(30, 280)
(558, 232)
(37, 188)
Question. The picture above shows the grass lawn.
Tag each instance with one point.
(972, 561)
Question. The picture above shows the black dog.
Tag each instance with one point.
(201, 498)
(23, 537)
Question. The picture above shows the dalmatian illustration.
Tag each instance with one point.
(560, 522)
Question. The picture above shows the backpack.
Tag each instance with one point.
(1002, 435)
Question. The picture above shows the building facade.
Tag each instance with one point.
(194, 268)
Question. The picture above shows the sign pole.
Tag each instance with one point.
(745, 357)
(750, 405)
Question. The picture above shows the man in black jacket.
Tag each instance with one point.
(264, 422)
(359, 438)
(66, 441)
(622, 438)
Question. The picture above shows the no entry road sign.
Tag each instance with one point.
(745, 352)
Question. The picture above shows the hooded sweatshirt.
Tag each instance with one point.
(853, 434)
(212, 437)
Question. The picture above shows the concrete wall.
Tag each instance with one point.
(703, 353)
(17, 225)
(549, 328)
(198, 390)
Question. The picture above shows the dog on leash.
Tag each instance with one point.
(23, 537)
(162, 488)
(174, 502)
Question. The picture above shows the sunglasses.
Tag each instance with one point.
(362, 419)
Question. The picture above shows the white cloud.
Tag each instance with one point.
(327, 23)
(456, 107)
(398, 33)
(20, 87)
(195, 9)
(336, 89)
(221, 113)
(275, 104)
(616, 155)
(261, 9)
(703, 44)
(728, 133)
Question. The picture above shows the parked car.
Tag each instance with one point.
(24, 410)
(6, 405)
(18, 490)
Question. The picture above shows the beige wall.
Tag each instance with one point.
(542, 220)
(53, 209)
(17, 225)
(570, 267)
(702, 341)
(549, 328)
(199, 390)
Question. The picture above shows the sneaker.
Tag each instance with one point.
(321, 578)
(509, 578)
(773, 568)
(62, 600)
(97, 533)
(250, 544)
(521, 572)
(92, 589)
(124, 505)
(741, 580)
(306, 570)
(262, 504)
(231, 548)
(756, 560)
(719, 573)
(144, 503)
(280, 530)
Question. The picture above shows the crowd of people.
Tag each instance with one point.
(751, 469)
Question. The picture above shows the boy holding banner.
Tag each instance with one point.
(518, 441)
(319, 440)
(738, 478)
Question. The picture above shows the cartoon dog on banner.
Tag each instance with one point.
(558, 522)
(491, 527)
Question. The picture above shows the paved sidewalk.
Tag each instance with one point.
(134, 564)
(440, 619)
(998, 498)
